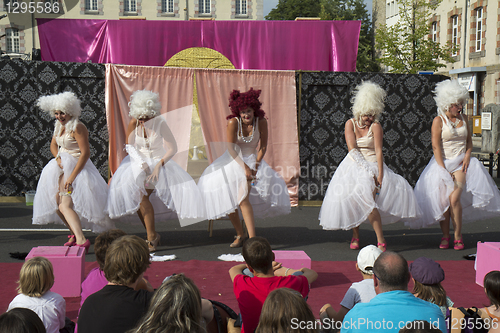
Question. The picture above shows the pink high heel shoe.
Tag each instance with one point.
(354, 244)
(85, 245)
(72, 240)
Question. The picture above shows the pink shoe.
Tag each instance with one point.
(86, 245)
(459, 244)
(354, 244)
(447, 244)
(382, 246)
(72, 240)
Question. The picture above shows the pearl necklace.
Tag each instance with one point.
(360, 127)
(247, 139)
(455, 123)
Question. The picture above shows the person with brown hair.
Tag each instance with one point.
(35, 280)
(118, 306)
(21, 320)
(286, 311)
(491, 285)
(251, 292)
(427, 276)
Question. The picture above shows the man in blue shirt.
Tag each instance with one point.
(394, 307)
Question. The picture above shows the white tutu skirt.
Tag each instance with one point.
(89, 195)
(223, 185)
(480, 197)
(349, 198)
(175, 193)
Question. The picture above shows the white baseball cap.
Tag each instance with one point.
(367, 257)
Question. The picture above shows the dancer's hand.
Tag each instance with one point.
(465, 163)
(58, 160)
(378, 181)
(249, 173)
(153, 178)
(68, 186)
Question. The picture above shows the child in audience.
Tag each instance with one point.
(285, 311)
(118, 307)
(251, 292)
(427, 276)
(21, 320)
(35, 280)
(176, 307)
(491, 285)
(359, 292)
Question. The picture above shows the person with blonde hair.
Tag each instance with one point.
(363, 188)
(35, 280)
(453, 185)
(70, 189)
(286, 311)
(148, 181)
(176, 307)
(118, 307)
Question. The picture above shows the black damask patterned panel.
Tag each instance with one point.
(26, 131)
(325, 107)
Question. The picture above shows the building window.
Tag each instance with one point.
(479, 28)
(454, 34)
(91, 5)
(167, 6)
(204, 6)
(434, 32)
(241, 7)
(12, 36)
(129, 6)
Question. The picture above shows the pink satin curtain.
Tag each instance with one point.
(278, 101)
(270, 45)
(175, 87)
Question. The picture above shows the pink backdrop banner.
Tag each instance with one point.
(278, 102)
(272, 45)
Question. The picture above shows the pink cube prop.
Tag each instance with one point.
(69, 267)
(293, 259)
(487, 259)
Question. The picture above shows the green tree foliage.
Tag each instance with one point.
(406, 45)
(334, 10)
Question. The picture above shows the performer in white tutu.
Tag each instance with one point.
(148, 172)
(363, 187)
(70, 189)
(241, 177)
(453, 185)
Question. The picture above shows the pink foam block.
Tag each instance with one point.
(293, 259)
(69, 267)
(487, 259)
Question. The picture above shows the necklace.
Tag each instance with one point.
(247, 139)
(357, 124)
(455, 123)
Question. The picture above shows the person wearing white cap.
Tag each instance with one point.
(359, 292)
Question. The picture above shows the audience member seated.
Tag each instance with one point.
(491, 285)
(394, 306)
(21, 320)
(251, 292)
(359, 292)
(286, 311)
(176, 307)
(427, 276)
(118, 307)
(419, 326)
(35, 280)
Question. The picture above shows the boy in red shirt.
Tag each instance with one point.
(251, 292)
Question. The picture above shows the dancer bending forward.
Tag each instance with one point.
(70, 189)
(363, 187)
(149, 173)
(241, 177)
(453, 185)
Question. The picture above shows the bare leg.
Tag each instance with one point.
(455, 205)
(147, 215)
(355, 239)
(376, 222)
(247, 212)
(235, 220)
(68, 215)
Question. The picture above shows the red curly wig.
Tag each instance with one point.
(240, 101)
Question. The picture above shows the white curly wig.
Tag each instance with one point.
(449, 92)
(368, 99)
(66, 102)
(144, 104)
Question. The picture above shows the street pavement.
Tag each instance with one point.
(299, 230)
